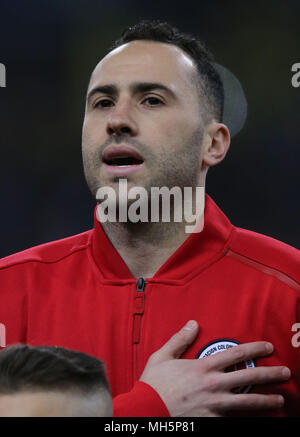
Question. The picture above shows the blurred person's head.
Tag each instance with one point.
(45, 381)
(158, 92)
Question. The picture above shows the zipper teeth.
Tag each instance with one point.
(137, 321)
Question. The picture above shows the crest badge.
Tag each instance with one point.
(222, 345)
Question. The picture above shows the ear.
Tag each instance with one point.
(216, 144)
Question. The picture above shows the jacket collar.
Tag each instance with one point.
(194, 255)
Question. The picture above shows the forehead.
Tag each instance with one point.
(54, 403)
(146, 61)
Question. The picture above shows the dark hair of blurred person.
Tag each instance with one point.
(52, 381)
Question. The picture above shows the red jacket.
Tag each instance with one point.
(78, 293)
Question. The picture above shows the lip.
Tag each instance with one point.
(120, 151)
(122, 171)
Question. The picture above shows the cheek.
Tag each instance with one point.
(176, 130)
(90, 151)
(92, 131)
(180, 121)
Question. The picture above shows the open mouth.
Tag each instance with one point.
(123, 161)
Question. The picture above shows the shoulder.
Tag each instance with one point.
(266, 254)
(49, 252)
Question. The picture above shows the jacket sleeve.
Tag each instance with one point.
(141, 401)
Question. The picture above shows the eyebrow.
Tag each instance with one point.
(136, 88)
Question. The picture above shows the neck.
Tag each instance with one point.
(144, 247)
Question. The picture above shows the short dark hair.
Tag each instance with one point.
(28, 368)
(211, 86)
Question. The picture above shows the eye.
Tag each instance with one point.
(104, 103)
(153, 101)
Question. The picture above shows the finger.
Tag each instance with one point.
(255, 375)
(252, 401)
(178, 343)
(239, 353)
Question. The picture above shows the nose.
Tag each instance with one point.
(121, 121)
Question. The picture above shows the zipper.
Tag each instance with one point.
(139, 302)
(138, 311)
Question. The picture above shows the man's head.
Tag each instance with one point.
(157, 93)
(52, 381)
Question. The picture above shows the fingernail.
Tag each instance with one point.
(286, 373)
(280, 400)
(269, 347)
(191, 325)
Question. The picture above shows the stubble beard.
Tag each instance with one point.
(172, 167)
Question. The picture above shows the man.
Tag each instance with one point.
(52, 382)
(155, 303)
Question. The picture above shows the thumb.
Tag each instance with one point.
(178, 343)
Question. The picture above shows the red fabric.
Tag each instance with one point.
(78, 293)
(141, 401)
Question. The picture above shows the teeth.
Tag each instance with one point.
(123, 166)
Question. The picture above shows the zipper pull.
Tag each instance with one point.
(140, 284)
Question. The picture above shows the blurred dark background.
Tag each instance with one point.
(49, 49)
